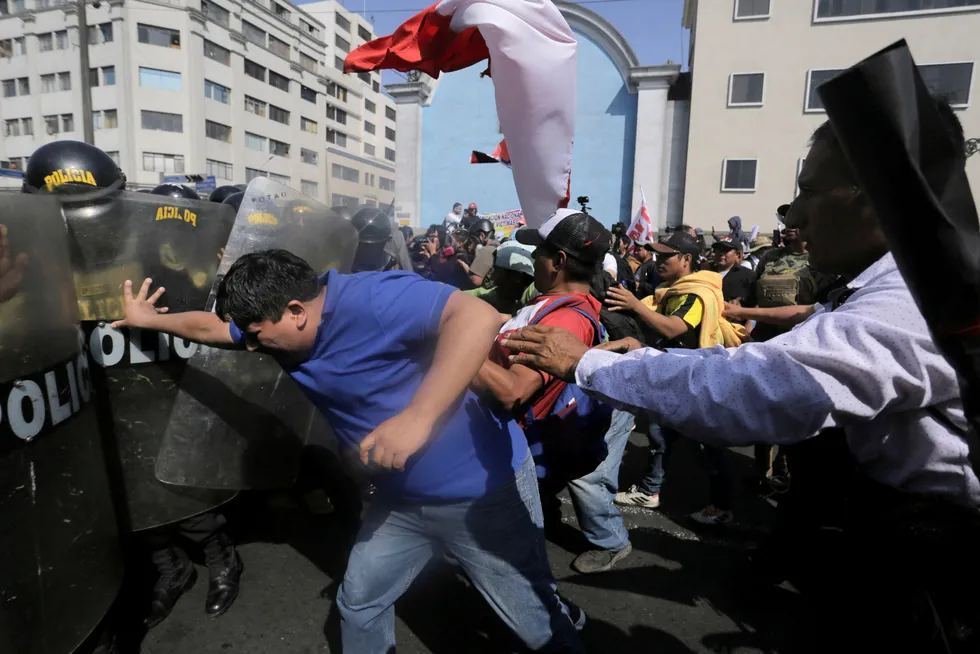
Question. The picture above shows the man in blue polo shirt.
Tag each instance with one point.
(387, 358)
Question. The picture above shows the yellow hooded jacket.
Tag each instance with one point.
(706, 285)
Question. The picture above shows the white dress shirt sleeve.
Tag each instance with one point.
(836, 369)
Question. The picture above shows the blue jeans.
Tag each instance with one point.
(498, 540)
(593, 494)
(721, 477)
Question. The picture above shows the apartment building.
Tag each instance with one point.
(756, 65)
(211, 87)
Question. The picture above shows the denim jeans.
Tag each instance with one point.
(497, 539)
(593, 494)
(721, 476)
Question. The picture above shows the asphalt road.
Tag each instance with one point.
(682, 589)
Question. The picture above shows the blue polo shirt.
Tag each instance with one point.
(374, 343)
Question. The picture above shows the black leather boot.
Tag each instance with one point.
(177, 576)
(226, 570)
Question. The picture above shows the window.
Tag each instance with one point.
(844, 9)
(307, 62)
(12, 47)
(751, 9)
(369, 150)
(163, 163)
(363, 33)
(9, 88)
(309, 157)
(252, 69)
(279, 46)
(255, 142)
(375, 86)
(746, 89)
(252, 173)
(163, 80)
(280, 11)
(254, 106)
(309, 188)
(369, 127)
(389, 113)
(370, 106)
(217, 92)
(215, 52)
(386, 184)
(339, 200)
(217, 131)
(64, 81)
(253, 33)
(51, 125)
(282, 179)
(338, 63)
(342, 22)
(98, 34)
(27, 126)
(278, 81)
(45, 42)
(814, 79)
(307, 94)
(61, 40)
(278, 115)
(337, 138)
(278, 148)
(739, 175)
(220, 169)
(370, 202)
(47, 83)
(216, 13)
(389, 134)
(23, 86)
(364, 77)
(93, 77)
(109, 75)
(389, 154)
(105, 119)
(307, 125)
(161, 36)
(67, 122)
(368, 179)
(160, 121)
(114, 155)
(337, 91)
(341, 43)
(11, 127)
(949, 81)
(312, 31)
(333, 113)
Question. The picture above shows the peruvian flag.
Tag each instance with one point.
(532, 53)
(641, 229)
(501, 155)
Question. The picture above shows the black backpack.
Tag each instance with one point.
(618, 324)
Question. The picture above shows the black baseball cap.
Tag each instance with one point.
(782, 210)
(577, 234)
(728, 243)
(678, 242)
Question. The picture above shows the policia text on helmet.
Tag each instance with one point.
(71, 167)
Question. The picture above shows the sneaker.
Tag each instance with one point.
(575, 614)
(635, 497)
(709, 515)
(595, 561)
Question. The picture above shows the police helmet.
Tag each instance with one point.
(482, 225)
(235, 200)
(242, 187)
(372, 224)
(178, 191)
(70, 166)
(219, 194)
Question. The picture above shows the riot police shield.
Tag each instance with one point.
(239, 421)
(177, 243)
(61, 567)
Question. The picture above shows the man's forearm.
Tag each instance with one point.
(780, 316)
(198, 326)
(505, 386)
(667, 326)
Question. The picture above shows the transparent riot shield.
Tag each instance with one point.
(239, 421)
(61, 566)
(177, 243)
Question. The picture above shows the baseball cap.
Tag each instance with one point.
(577, 234)
(760, 242)
(728, 243)
(782, 210)
(515, 256)
(472, 205)
(678, 242)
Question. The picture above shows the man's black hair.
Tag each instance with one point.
(457, 204)
(260, 285)
(575, 269)
(683, 228)
(620, 240)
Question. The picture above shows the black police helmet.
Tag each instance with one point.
(372, 224)
(235, 200)
(219, 194)
(70, 166)
(482, 225)
(176, 191)
(241, 187)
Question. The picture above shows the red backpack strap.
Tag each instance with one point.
(564, 302)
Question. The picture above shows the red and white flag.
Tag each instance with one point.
(532, 52)
(500, 155)
(641, 229)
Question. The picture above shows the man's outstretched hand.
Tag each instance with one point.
(140, 310)
(553, 350)
(12, 268)
(396, 439)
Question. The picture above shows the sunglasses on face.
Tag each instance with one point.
(664, 256)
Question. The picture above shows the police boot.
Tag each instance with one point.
(177, 576)
(226, 571)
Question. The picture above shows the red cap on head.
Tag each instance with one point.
(472, 205)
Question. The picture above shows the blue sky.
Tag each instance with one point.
(653, 27)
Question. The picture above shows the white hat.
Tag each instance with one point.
(515, 256)
(609, 265)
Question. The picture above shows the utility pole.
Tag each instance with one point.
(88, 129)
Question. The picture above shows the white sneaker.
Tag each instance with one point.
(710, 515)
(636, 497)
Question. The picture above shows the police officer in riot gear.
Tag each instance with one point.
(71, 165)
(219, 194)
(234, 200)
(176, 191)
(373, 234)
(482, 231)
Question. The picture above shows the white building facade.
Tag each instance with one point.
(210, 87)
